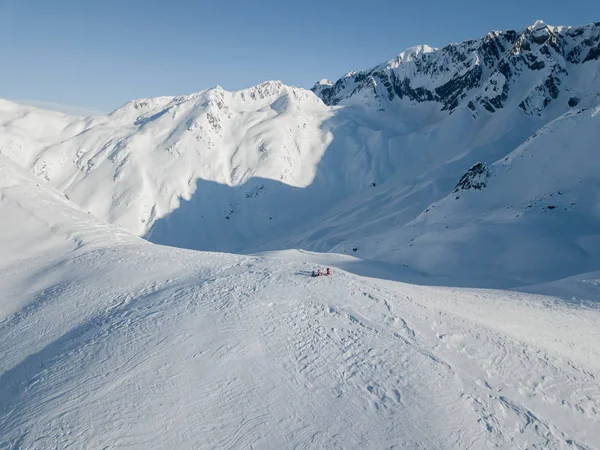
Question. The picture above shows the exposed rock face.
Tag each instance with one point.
(483, 74)
(475, 178)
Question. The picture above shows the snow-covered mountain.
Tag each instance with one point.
(503, 220)
(108, 341)
(138, 163)
(352, 167)
(539, 67)
(472, 170)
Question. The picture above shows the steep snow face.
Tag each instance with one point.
(496, 225)
(410, 54)
(137, 164)
(109, 341)
(542, 199)
(531, 69)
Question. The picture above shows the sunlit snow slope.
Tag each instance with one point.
(107, 341)
(532, 216)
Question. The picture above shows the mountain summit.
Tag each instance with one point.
(531, 69)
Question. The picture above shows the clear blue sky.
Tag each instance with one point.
(98, 54)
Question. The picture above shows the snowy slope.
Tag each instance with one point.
(531, 217)
(108, 341)
(274, 167)
(148, 155)
(540, 202)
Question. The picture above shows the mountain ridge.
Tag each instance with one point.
(270, 167)
(488, 63)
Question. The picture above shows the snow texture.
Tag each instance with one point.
(107, 341)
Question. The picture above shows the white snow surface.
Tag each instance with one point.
(108, 341)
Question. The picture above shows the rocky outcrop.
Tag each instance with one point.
(483, 75)
(475, 178)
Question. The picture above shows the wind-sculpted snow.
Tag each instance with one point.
(111, 341)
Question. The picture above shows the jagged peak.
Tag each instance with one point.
(322, 85)
(262, 90)
(271, 88)
(324, 82)
(409, 54)
(276, 84)
(537, 25)
(540, 26)
(412, 52)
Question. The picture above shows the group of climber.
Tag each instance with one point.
(318, 272)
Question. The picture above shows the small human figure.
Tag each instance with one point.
(328, 272)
